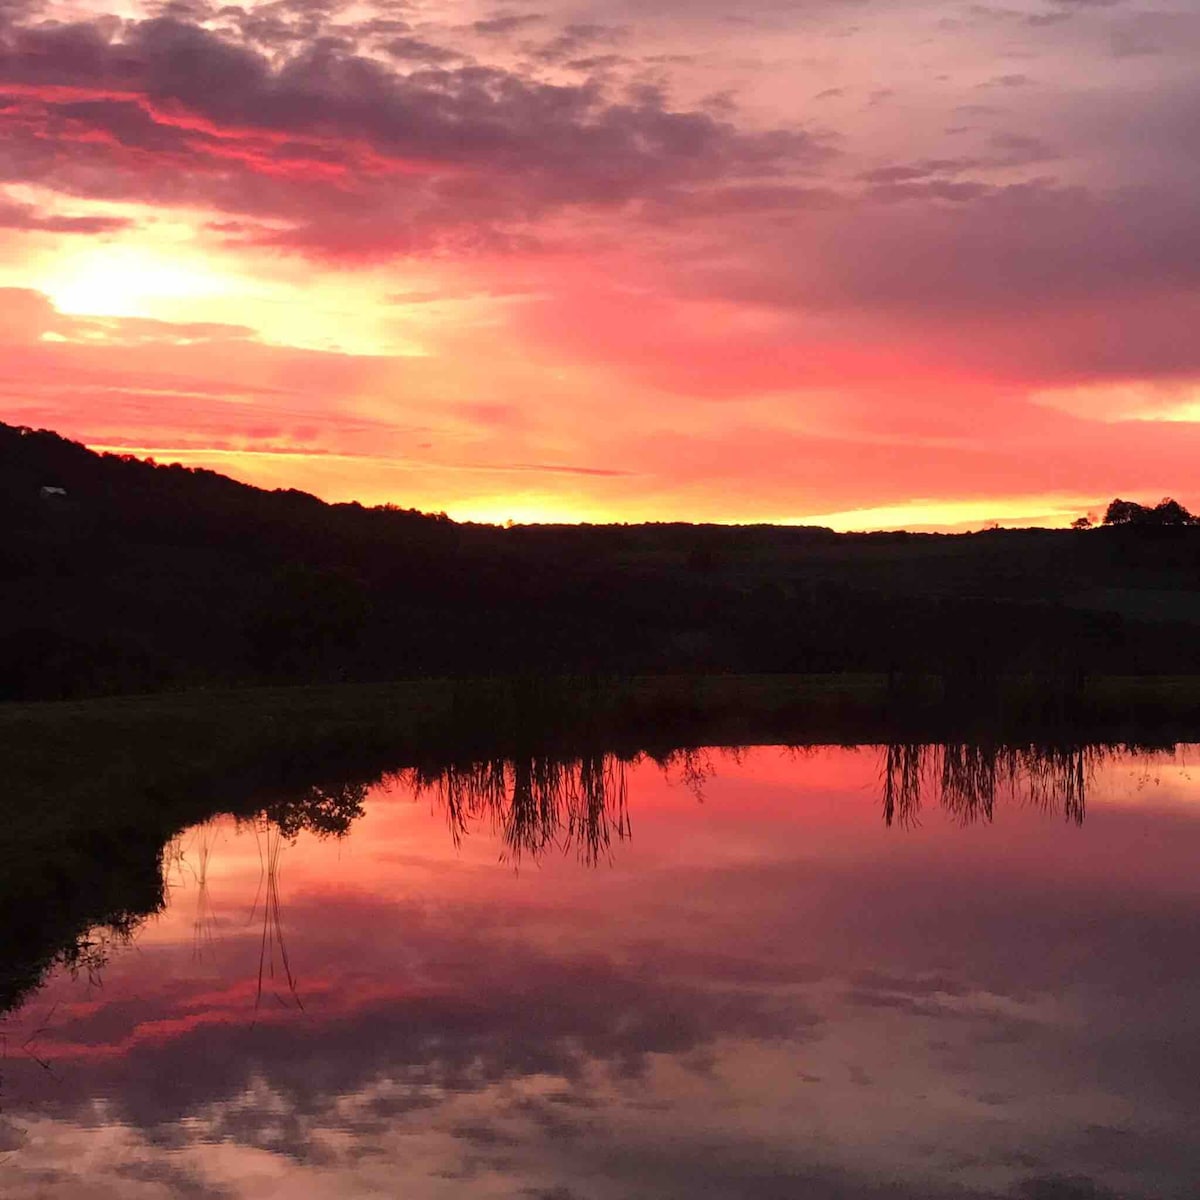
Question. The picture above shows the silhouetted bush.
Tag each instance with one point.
(1165, 512)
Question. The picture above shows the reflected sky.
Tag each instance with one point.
(755, 986)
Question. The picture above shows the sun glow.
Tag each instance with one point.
(128, 281)
(1054, 510)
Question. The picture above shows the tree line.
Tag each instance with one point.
(1167, 512)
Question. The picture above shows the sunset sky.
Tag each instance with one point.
(856, 262)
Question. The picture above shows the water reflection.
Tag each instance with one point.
(328, 810)
(968, 779)
(818, 983)
(534, 803)
(273, 960)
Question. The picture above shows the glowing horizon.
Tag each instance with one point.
(906, 266)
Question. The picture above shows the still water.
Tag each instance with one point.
(769, 973)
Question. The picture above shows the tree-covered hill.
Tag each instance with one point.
(121, 575)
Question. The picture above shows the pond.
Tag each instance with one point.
(907, 971)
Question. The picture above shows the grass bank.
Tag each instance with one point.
(173, 748)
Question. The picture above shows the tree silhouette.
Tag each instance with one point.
(1171, 512)
(1166, 512)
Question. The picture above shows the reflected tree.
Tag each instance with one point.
(273, 959)
(534, 803)
(327, 810)
(967, 779)
(694, 768)
(903, 779)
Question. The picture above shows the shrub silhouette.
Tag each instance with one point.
(1165, 512)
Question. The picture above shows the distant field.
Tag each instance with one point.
(193, 724)
(1142, 604)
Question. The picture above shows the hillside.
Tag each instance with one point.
(142, 577)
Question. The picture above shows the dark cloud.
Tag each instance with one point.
(913, 172)
(598, 62)
(575, 39)
(1045, 19)
(16, 11)
(1007, 81)
(183, 1183)
(25, 216)
(505, 23)
(368, 161)
(740, 201)
(934, 984)
(184, 10)
(1063, 1187)
(279, 24)
(951, 191)
(736, 1169)
(1085, 5)
(12, 1137)
(1017, 150)
(1035, 277)
(562, 469)
(1003, 150)
(1156, 33)
(415, 49)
